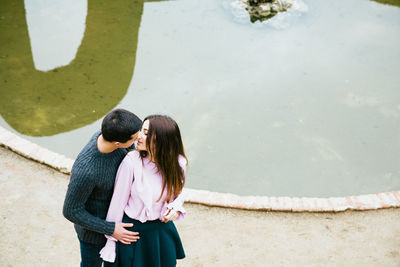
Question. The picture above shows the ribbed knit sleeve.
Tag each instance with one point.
(79, 189)
(90, 190)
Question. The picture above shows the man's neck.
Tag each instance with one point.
(104, 146)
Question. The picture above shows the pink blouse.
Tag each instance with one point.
(137, 188)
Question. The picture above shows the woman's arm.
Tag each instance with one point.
(122, 190)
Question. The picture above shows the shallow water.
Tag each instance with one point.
(304, 104)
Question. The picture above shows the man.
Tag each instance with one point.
(92, 181)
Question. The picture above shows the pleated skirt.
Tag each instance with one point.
(159, 246)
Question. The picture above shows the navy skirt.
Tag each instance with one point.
(159, 246)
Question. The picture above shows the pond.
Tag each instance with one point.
(306, 103)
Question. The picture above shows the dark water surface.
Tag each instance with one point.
(304, 104)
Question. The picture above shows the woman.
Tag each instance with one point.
(147, 193)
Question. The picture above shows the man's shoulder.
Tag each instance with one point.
(83, 168)
(89, 151)
(92, 143)
(87, 157)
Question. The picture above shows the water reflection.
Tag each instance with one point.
(55, 31)
(389, 2)
(40, 103)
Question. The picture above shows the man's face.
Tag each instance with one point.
(130, 142)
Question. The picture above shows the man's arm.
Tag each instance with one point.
(79, 190)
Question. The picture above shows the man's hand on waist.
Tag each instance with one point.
(123, 235)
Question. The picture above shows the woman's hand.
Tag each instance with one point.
(170, 215)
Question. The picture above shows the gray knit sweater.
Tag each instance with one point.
(90, 190)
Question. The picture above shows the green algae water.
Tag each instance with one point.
(306, 103)
(38, 103)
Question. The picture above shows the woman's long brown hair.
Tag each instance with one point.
(164, 144)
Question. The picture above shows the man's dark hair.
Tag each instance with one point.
(119, 125)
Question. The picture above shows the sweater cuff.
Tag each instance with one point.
(109, 228)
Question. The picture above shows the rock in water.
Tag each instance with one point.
(265, 9)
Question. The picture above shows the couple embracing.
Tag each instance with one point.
(123, 200)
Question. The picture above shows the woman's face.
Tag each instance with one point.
(141, 140)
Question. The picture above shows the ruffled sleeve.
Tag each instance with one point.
(177, 205)
(122, 187)
(107, 253)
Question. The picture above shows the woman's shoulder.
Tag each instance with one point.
(182, 160)
(133, 155)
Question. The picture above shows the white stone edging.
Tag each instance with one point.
(363, 202)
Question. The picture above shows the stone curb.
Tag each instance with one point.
(363, 202)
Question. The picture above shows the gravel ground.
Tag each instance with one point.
(34, 232)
